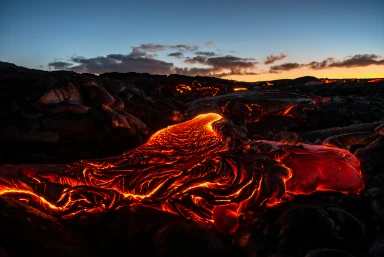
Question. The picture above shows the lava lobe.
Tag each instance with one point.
(204, 169)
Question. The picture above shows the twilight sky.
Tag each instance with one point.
(242, 40)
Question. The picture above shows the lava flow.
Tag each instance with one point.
(204, 169)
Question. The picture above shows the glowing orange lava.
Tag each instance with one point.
(327, 81)
(204, 169)
(240, 89)
(376, 80)
(182, 88)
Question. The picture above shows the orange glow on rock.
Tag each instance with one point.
(240, 89)
(226, 218)
(204, 169)
(376, 80)
(287, 111)
(328, 81)
(182, 88)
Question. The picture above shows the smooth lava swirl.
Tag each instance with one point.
(204, 169)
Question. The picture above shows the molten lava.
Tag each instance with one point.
(376, 80)
(240, 89)
(181, 88)
(328, 81)
(204, 169)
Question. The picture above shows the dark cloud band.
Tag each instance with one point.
(157, 47)
(273, 58)
(176, 54)
(358, 60)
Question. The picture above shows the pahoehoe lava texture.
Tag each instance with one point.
(189, 169)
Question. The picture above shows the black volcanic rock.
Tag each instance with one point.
(27, 231)
(304, 223)
(372, 163)
(191, 241)
(67, 108)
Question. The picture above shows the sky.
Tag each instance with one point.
(242, 40)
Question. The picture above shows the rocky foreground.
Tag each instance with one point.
(62, 117)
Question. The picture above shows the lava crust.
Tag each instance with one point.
(189, 169)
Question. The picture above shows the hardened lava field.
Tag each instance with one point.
(141, 165)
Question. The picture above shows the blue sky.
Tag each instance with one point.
(39, 32)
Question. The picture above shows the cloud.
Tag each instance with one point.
(210, 72)
(320, 65)
(209, 43)
(150, 47)
(193, 71)
(143, 59)
(284, 67)
(273, 58)
(176, 54)
(235, 72)
(189, 48)
(210, 54)
(158, 48)
(220, 66)
(134, 62)
(197, 59)
(231, 62)
(59, 65)
(358, 60)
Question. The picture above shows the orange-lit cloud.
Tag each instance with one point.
(284, 67)
(144, 58)
(273, 58)
(358, 60)
(219, 66)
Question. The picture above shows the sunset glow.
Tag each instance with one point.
(302, 38)
(336, 73)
